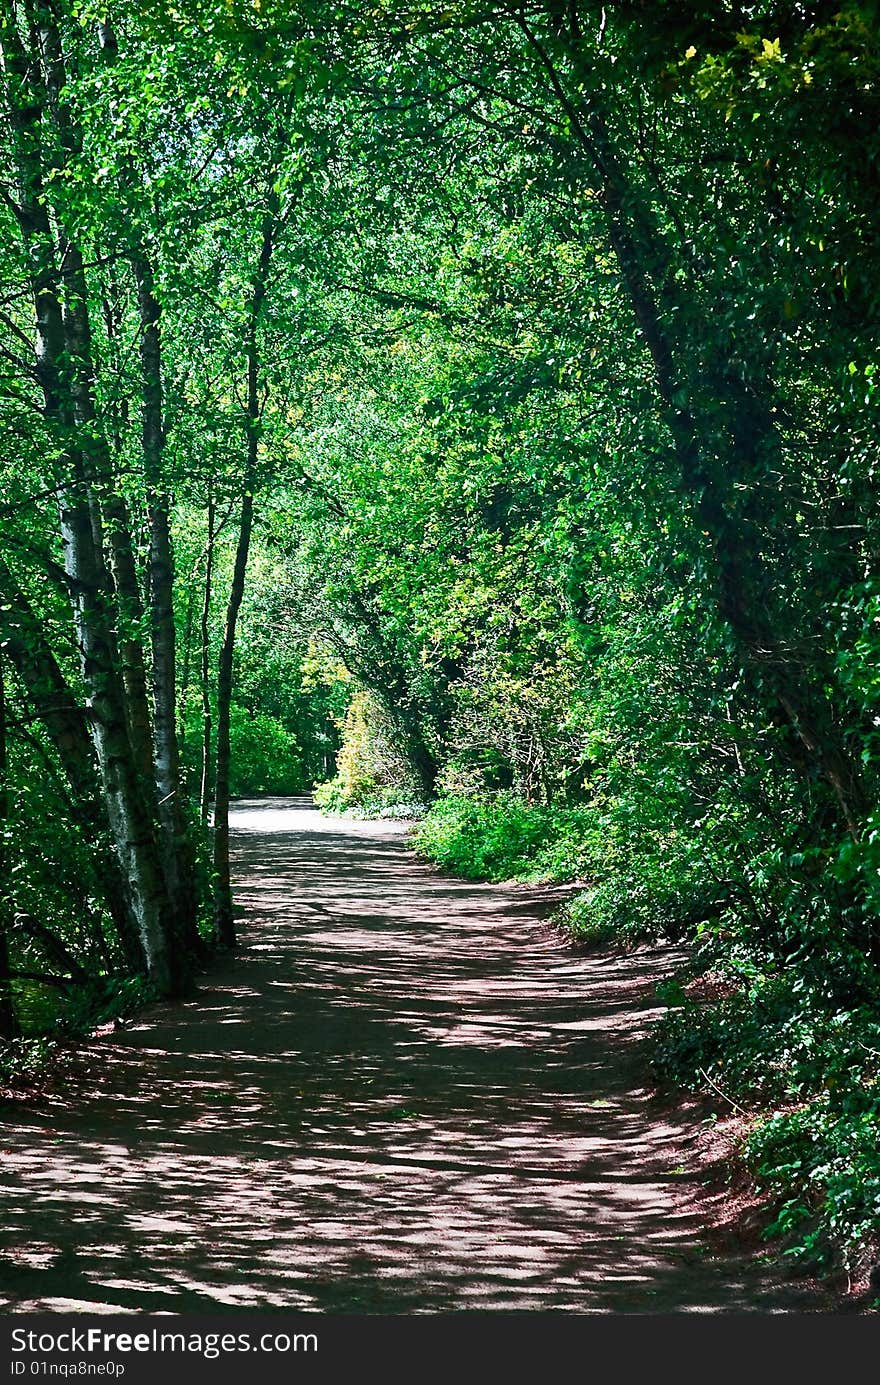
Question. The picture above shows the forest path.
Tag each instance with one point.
(405, 1095)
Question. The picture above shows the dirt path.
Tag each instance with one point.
(406, 1095)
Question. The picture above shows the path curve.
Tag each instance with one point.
(406, 1095)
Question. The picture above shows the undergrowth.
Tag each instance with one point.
(50, 1019)
(777, 1012)
(24, 1061)
(807, 1072)
(505, 838)
(333, 797)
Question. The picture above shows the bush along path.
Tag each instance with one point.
(406, 1094)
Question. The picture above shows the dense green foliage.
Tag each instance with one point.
(517, 372)
(505, 838)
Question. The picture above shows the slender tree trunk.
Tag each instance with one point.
(207, 726)
(130, 622)
(126, 588)
(177, 855)
(224, 920)
(130, 821)
(8, 1022)
(185, 674)
(174, 827)
(178, 921)
(420, 756)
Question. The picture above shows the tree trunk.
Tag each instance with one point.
(8, 1022)
(177, 855)
(207, 727)
(224, 921)
(177, 852)
(418, 753)
(129, 625)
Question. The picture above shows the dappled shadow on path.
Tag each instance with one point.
(406, 1095)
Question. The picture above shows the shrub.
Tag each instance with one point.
(503, 838)
(774, 1044)
(398, 804)
(23, 1061)
(102, 999)
(373, 779)
(822, 1163)
(265, 757)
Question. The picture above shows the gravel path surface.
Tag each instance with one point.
(406, 1095)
